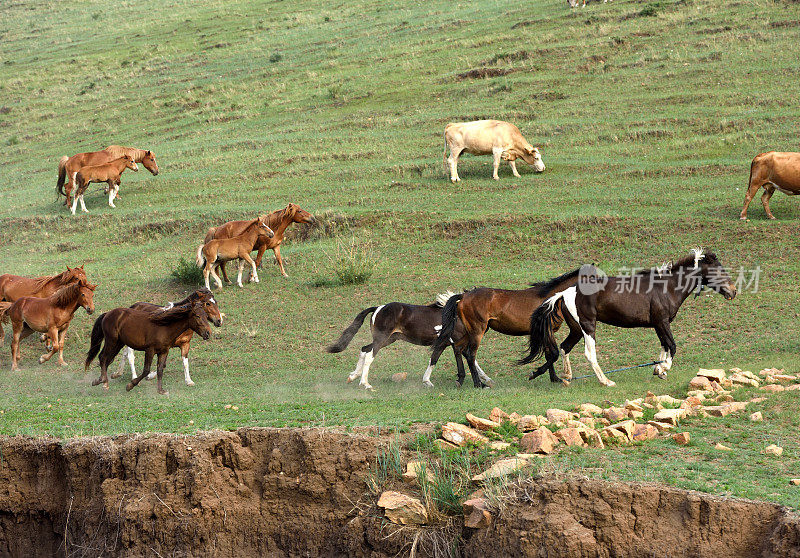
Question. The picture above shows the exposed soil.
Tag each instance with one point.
(302, 492)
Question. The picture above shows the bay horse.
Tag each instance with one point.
(69, 166)
(205, 298)
(392, 322)
(649, 298)
(110, 173)
(278, 221)
(237, 247)
(503, 310)
(50, 315)
(152, 332)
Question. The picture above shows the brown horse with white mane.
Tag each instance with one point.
(153, 333)
(278, 221)
(50, 315)
(69, 166)
(239, 247)
(110, 173)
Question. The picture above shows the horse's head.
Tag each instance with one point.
(73, 275)
(263, 227)
(86, 296)
(130, 163)
(300, 215)
(532, 156)
(198, 320)
(149, 162)
(713, 274)
(210, 307)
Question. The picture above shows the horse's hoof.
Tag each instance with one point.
(105, 386)
(368, 387)
(611, 384)
(484, 386)
(151, 376)
(116, 375)
(190, 383)
(489, 382)
(129, 386)
(97, 382)
(163, 392)
(427, 383)
(350, 379)
(458, 384)
(63, 363)
(42, 360)
(565, 383)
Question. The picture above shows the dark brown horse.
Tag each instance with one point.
(110, 173)
(237, 247)
(153, 333)
(278, 221)
(649, 298)
(205, 298)
(392, 322)
(503, 310)
(50, 315)
(69, 166)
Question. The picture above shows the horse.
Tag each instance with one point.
(278, 221)
(237, 247)
(152, 332)
(503, 310)
(620, 301)
(50, 315)
(205, 297)
(69, 166)
(392, 322)
(110, 173)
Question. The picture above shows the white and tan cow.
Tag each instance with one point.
(774, 170)
(501, 139)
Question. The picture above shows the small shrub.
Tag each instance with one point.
(13, 140)
(354, 262)
(275, 57)
(187, 272)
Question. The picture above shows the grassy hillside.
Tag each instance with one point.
(647, 115)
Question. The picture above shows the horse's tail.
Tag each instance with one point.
(4, 319)
(449, 315)
(444, 155)
(62, 176)
(542, 341)
(210, 234)
(201, 259)
(348, 334)
(96, 342)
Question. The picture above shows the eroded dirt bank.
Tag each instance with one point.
(301, 492)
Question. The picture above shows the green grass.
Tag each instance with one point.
(647, 123)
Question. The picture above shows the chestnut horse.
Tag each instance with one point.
(50, 315)
(152, 332)
(69, 166)
(237, 247)
(110, 173)
(205, 297)
(392, 322)
(649, 298)
(278, 221)
(503, 310)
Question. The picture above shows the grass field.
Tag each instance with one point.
(647, 115)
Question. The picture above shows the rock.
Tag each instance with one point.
(615, 414)
(445, 445)
(748, 374)
(481, 423)
(668, 400)
(700, 383)
(611, 433)
(736, 406)
(603, 421)
(718, 410)
(514, 417)
(772, 449)
(756, 417)
(571, 436)
(501, 468)
(661, 426)
(593, 439)
(773, 388)
(542, 420)
(400, 377)
(716, 387)
(402, 509)
(462, 435)
(734, 370)
(692, 401)
(414, 469)
(538, 441)
(696, 393)
(476, 514)
(588, 422)
(591, 409)
(758, 399)
(528, 423)
(558, 416)
(712, 374)
(783, 378)
(770, 372)
(726, 383)
(644, 432)
(626, 426)
(792, 387)
(636, 415)
(720, 447)
(794, 482)
(498, 415)
(744, 380)
(632, 406)
(671, 416)
(724, 398)
(681, 438)
(497, 445)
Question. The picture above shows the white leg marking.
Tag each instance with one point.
(241, 268)
(74, 204)
(83, 205)
(186, 377)
(482, 375)
(111, 193)
(591, 356)
(359, 365)
(254, 275)
(368, 358)
(567, 364)
(426, 377)
(496, 153)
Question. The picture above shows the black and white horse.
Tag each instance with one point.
(648, 298)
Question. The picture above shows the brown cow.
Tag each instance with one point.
(774, 170)
(501, 139)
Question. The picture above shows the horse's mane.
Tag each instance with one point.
(67, 295)
(193, 296)
(172, 315)
(698, 254)
(118, 151)
(441, 299)
(277, 216)
(544, 287)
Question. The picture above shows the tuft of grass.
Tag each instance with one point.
(275, 57)
(187, 272)
(388, 466)
(354, 262)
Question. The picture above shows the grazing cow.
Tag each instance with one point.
(774, 170)
(501, 139)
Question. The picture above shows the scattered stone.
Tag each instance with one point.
(498, 415)
(792, 387)
(501, 468)
(716, 387)
(736, 406)
(542, 420)
(626, 426)
(558, 416)
(615, 414)
(772, 449)
(718, 410)
(692, 401)
(528, 423)
(758, 399)
(481, 423)
(681, 438)
(461, 435)
(402, 509)
(783, 378)
(726, 383)
(671, 416)
(612, 433)
(661, 426)
(588, 422)
(514, 417)
(700, 383)
(794, 482)
(724, 398)
(770, 372)
(735, 370)
(635, 414)
(571, 436)
(590, 408)
(668, 400)
(720, 447)
(499, 446)
(633, 406)
(603, 421)
(476, 514)
(772, 388)
(539, 441)
(400, 377)
(748, 374)
(445, 445)
(756, 417)
(696, 393)
(413, 471)
(644, 432)
(716, 374)
(742, 380)
(593, 439)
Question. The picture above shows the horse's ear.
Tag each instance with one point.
(92, 287)
(68, 269)
(150, 153)
(81, 267)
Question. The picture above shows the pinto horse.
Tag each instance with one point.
(392, 322)
(205, 297)
(110, 173)
(278, 221)
(649, 298)
(152, 332)
(237, 247)
(50, 315)
(503, 310)
(69, 166)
